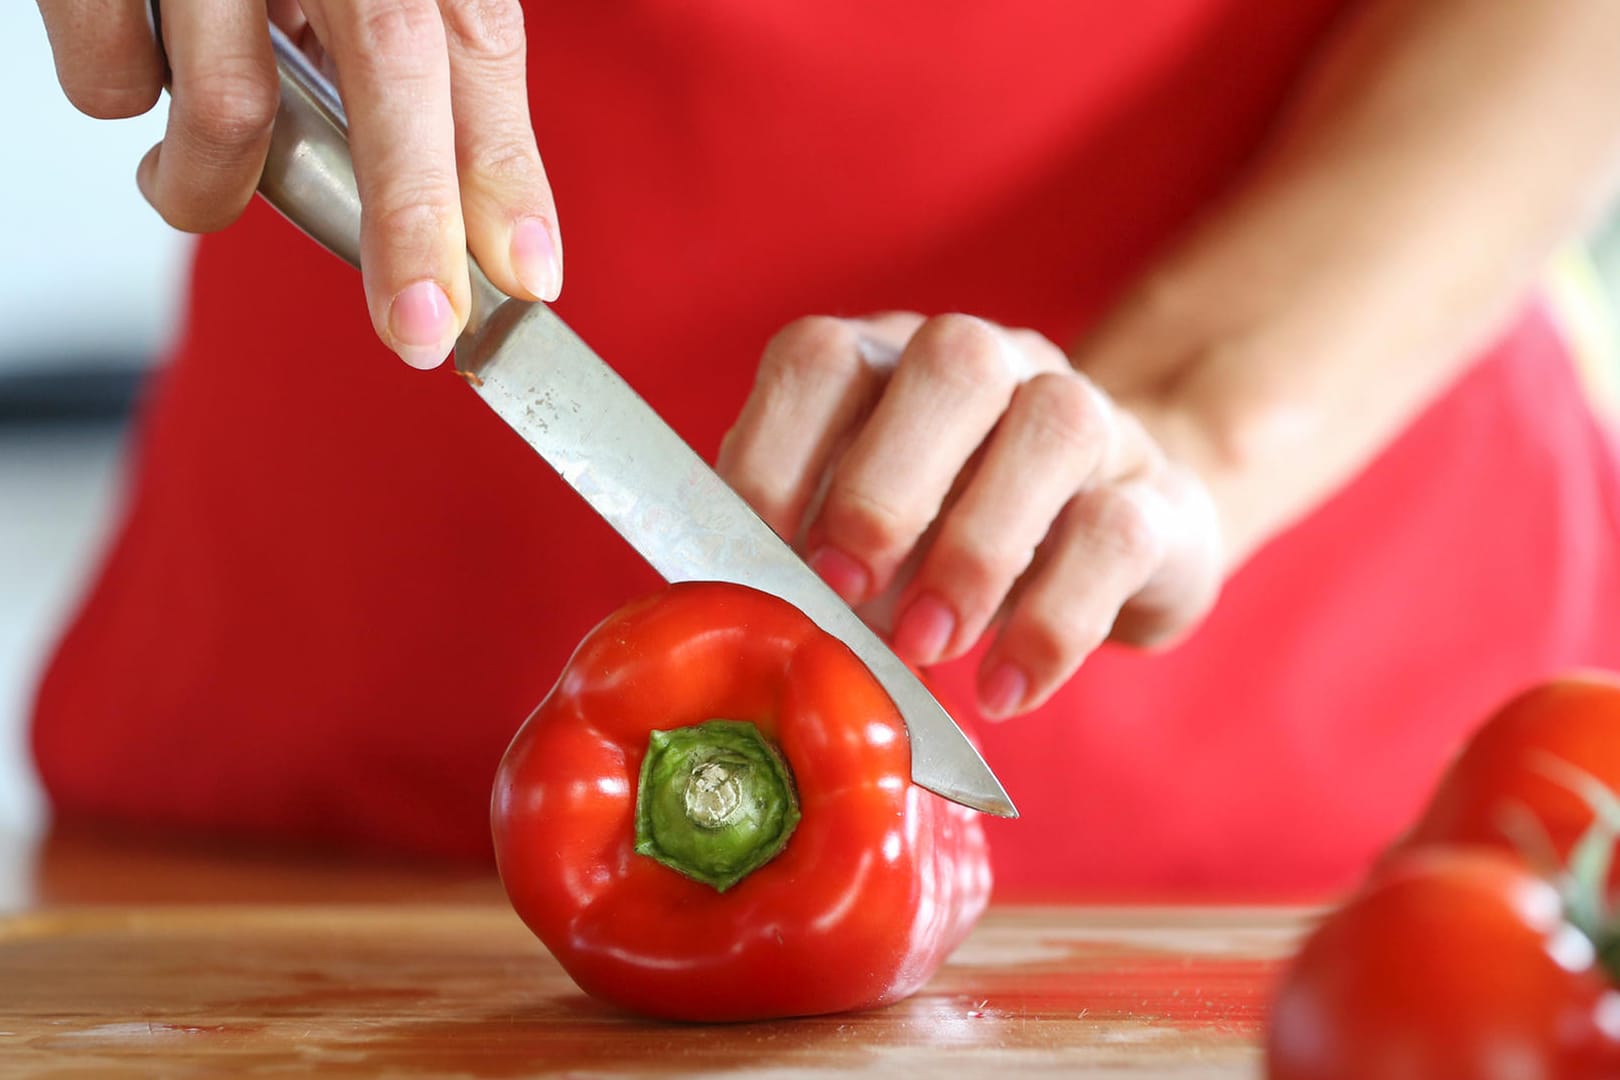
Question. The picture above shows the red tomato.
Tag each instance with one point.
(1454, 965)
(1508, 770)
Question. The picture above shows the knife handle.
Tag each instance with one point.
(308, 172)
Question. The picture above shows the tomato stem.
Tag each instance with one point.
(715, 802)
(1608, 954)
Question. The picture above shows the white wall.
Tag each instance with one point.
(87, 273)
(86, 267)
(58, 487)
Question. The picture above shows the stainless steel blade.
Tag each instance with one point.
(602, 438)
(656, 492)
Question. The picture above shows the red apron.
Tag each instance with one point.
(341, 584)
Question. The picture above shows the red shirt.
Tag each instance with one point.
(341, 584)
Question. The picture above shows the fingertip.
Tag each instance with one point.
(106, 61)
(848, 577)
(925, 629)
(117, 102)
(421, 358)
(421, 325)
(1003, 686)
(536, 258)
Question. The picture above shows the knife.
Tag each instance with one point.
(599, 435)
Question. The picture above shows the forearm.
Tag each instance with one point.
(1436, 155)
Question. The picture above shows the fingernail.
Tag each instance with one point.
(1002, 690)
(422, 324)
(924, 629)
(534, 259)
(848, 577)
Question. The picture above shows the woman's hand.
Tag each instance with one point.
(975, 474)
(438, 114)
(972, 475)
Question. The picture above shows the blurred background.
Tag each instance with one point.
(88, 289)
(91, 289)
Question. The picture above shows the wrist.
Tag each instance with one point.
(1273, 352)
(1238, 444)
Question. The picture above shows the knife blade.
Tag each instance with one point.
(601, 437)
(612, 448)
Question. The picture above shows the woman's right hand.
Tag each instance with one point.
(438, 109)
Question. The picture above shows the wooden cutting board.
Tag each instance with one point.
(465, 991)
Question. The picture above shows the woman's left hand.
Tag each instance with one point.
(967, 474)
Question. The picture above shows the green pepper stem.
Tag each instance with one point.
(715, 802)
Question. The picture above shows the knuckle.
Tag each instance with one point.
(508, 162)
(1026, 338)
(1050, 642)
(230, 106)
(1063, 411)
(980, 570)
(962, 350)
(491, 29)
(1155, 632)
(810, 345)
(416, 218)
(866, 523)
(1124, 521)
(1156, 618)
(1086, 634)
(393, 28)
(1041, 349)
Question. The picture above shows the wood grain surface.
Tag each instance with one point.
(463, 990)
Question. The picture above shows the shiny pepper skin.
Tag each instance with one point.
(877, 884)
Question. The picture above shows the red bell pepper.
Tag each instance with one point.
(711, 817)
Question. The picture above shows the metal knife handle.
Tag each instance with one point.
(308, 173)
